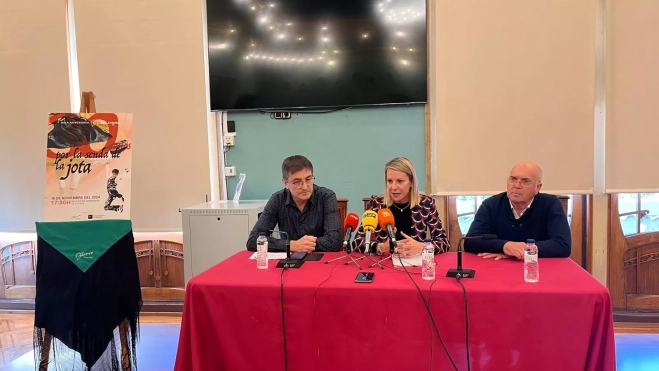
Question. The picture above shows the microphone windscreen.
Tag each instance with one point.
(489, 236)
(352, 221)
(386, 217)
(369, 220)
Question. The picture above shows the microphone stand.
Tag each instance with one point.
(288, 262)
(393, 248)
(459, 272)
(367, 251)
(368, 245)
(348, 250)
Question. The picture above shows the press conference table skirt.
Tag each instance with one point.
(232, 318)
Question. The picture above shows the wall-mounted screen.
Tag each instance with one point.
(316, 53)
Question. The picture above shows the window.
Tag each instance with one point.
(639, 212)
(466, 207)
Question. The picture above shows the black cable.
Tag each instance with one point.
(313, 318)
(429, 303)
(283, 321)
(464, 290)
(429, 313)
(320, 284)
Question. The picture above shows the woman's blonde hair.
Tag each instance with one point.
(404, 165)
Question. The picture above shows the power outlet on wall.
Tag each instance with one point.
(230, 171)
(229, 139)
(281, 115)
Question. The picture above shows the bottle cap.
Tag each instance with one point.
(530, 240)
(427, 240)
(262, 233)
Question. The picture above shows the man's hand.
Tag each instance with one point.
(305, 244)
(515, 249)
(495, 256)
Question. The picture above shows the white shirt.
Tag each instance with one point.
(523, 211)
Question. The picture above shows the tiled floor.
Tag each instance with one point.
(15, 336)
(156, 349)
(637, 352)
(158, 342)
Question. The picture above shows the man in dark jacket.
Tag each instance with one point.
(518, 214)
(308, 213)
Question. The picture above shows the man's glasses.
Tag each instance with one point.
(297, 183)
(523, 181)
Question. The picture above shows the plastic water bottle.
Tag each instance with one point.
(428, 260)
(531, 269)
(262, 251)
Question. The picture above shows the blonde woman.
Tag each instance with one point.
(415, 214)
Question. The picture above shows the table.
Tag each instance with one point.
(232, 318)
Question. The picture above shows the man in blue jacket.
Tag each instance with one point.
(518, 214)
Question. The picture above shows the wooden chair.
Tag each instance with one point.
(343, 212)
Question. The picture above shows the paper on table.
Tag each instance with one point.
(409, 261)
(272, 255)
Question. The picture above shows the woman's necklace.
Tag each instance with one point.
(402, 208)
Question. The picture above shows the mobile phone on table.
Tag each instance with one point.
(364, 277)
(298, 255)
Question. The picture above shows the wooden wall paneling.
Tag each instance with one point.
(577, 230)
(452, 226)
(589, 234)
(428, 135)
(146, 263)
(641, 265)
(18, 266)
(642, 302)
(647, 280)
(563, 200)
(160, 263)
(343, 212)
(170, 277)
(617, 245)
(630, 264)
(171, 264)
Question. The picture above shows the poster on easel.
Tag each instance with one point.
(88, 166)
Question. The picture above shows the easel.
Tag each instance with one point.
(88, 105)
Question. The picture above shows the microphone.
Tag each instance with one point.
(459, 272)
(350, 224)
(369, 223)
(287, 263)
(386, 220)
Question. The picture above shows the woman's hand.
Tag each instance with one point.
(409, 246)
(384, 247)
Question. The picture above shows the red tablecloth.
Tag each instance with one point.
(232, 318)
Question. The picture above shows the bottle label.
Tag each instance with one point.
(428, 257)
